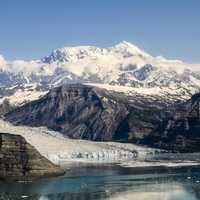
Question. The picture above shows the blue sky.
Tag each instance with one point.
(32, 28)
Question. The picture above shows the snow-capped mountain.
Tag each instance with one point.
(123, 64)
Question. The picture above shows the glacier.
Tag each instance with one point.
(62, 151)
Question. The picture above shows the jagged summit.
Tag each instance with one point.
(71, 54)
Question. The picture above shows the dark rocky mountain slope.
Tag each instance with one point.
(77, 111)
(21, 161)
(181, 132)
(87, 112)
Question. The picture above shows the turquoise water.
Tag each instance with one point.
(110, 182)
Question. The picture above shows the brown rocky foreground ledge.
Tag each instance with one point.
(20, 161)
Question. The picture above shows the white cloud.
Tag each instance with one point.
(3, 62)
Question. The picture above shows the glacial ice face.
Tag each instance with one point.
(60, 149)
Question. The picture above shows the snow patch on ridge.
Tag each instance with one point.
(21, 97)
(154, 91)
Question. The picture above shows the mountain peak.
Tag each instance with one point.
(131, 48)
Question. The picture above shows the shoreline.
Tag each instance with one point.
(137, 165)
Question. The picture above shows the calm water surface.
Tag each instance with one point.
(110, 182)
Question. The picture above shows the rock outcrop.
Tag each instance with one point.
(5, 107)
(22, 162)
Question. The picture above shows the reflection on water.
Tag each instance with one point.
(109, 182)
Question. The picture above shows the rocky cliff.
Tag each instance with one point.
(21, 161)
